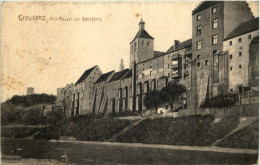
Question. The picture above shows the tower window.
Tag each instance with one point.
(231, 68)
(249, 37)
(239, 40)
(240, 54)
(199, 45)
(198, 30)
(240, 66)
(148, 43)
(206, 62)
(135, 44)
(215, 23)
(198, 17)
(230, 56)
(198, 64)
(230, 43)
(214, 10)
(142, 42)
(215, 39)
(231, 90)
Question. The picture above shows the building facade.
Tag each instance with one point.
(211, 22)
(236, 45)
(202, 64)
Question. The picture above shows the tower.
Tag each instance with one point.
(121, 67)
(142, 46)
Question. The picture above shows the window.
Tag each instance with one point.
(214, 10)
(240, 66)
(230, 68)
(231, 90)
(198, 56)
(198, 64)
(240, 54)
(168, 74)
(198, 17)
(249, 37)
(206, 62)
(214, 52)
(199, 30)
(199, 45)
(230, 43)
(142, 42)
(150, 73)
(135, 44)
(215, 23)
(239, 40)
(215, 39)
(168, 65)
(148, 43)
(230, 56)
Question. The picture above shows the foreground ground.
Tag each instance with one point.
(231, 132)
(18, 151)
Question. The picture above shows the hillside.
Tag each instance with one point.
(25, 109)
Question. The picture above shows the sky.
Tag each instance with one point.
(48, 54)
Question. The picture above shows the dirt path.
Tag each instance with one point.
(243, 123)
(174, 147)
(113, 138)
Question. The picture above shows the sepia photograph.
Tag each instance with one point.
(129, 82)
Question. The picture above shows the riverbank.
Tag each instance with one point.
(83, 152)
(226, 132)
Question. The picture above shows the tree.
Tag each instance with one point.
(172, 92)
(153, 99)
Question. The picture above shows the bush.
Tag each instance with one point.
(10, 114)
(220, 101)
(54, 117)
(34, 99)
(34, 116)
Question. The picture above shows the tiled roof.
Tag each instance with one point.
(103, 77)
(184, 44)
(204, 5)
(127, 75)
(255, 40)
(118, 75)
(244, 28)
(157, 53)
(142, 34)
(171, 49)
(181, 45)
(85, 75)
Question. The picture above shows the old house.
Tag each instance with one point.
(82, 96)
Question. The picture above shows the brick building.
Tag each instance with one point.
(236, 45)
(82, 96)
(211, 22)
(201, 63)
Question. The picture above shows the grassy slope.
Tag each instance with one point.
(245, 138)
(193, 130)
(86, 128)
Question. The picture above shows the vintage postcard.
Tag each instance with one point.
(129, 82)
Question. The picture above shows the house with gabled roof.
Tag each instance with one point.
(237, 56)
(82, 96)
(114, 92)
(99, 104)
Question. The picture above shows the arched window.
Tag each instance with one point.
(148, 43)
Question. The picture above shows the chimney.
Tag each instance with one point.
(176, 44)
